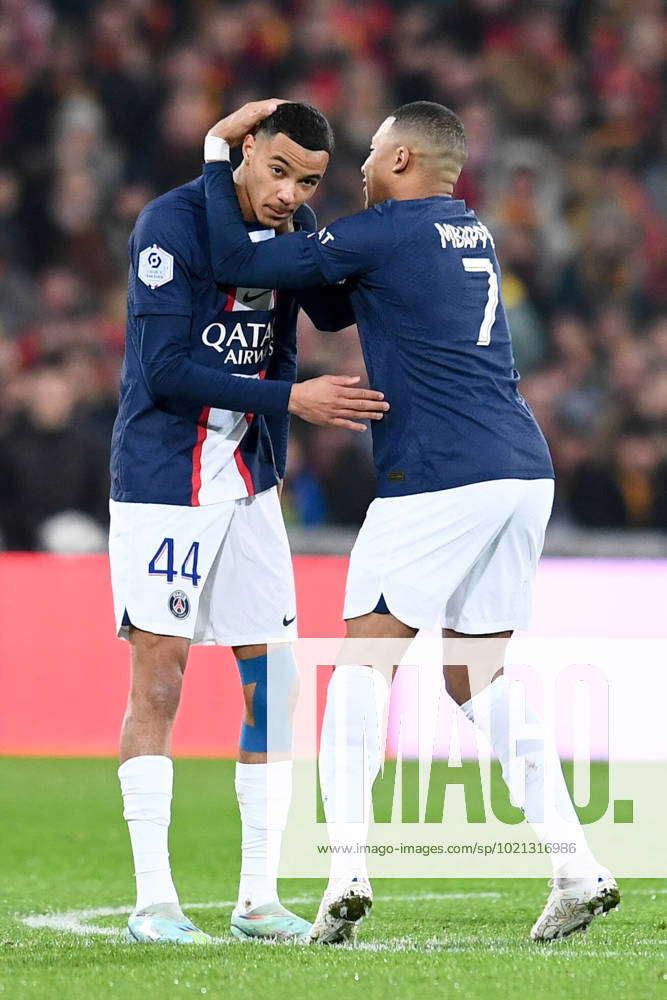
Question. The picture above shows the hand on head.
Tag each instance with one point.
(235, 127)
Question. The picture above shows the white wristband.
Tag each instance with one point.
(215, 149)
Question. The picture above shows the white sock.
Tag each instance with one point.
(264, 792)
(351, 754)
(539, 787)
(146, 783)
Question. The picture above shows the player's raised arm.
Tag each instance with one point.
(350, 247)
(285, 262)
(283, 163)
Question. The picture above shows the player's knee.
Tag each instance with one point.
(158, 698)
(165, 697)
(271, 693)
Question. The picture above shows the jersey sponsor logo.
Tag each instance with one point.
(156, 266)
(179, 604)
(463, 237)
(324, 236)
(288, 621)
(245, 344)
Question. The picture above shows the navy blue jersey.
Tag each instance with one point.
(208, 366)
(424, 284)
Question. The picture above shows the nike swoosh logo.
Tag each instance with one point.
(288, 621)
(251, 298)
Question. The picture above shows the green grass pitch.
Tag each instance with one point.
(65, 847)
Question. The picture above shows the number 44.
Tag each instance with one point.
(163, 563)
(483, 265)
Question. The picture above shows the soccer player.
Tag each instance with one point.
(198, 547)
(465, 480)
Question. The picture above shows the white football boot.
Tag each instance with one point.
(573, 903)
(345, 903)
(163, 923)
(271, 922)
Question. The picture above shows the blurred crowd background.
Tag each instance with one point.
(103, 106)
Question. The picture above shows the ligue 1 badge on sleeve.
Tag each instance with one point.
(156, 266)
(179, 604)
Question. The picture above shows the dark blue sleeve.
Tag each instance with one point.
(329, 307)
(169, 372)
(349, 247)
(283, 367)
(161, 264)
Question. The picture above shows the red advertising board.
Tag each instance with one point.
(64, 675)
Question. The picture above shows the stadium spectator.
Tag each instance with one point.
(302, 497)
(629, 490)
(49, 465)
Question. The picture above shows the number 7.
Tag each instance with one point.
(483, 265)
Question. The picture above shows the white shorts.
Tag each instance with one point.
(220, 574)
(465, 557)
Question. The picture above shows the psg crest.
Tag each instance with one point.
(179, 604)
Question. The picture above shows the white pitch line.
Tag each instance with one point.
(78, 922)
(645, 892)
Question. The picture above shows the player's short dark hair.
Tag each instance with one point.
(302, 123)
(436, 123)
